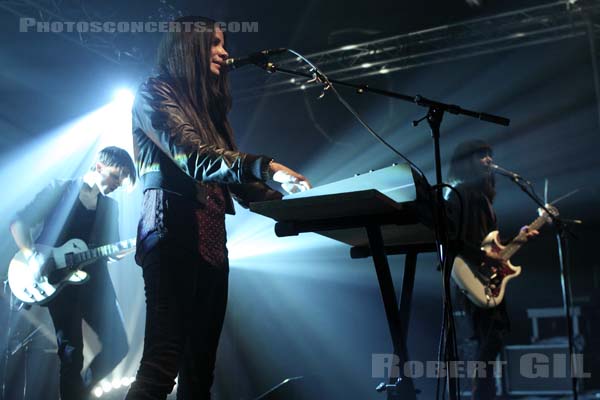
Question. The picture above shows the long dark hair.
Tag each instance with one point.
(184, 59)
(466, 169)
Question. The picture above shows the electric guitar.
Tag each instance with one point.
(485, 285)
(37, 279)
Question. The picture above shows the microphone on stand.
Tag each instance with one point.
(505, 172)
(258, 58)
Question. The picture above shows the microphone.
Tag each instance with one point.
(259, 58)
(505, 172)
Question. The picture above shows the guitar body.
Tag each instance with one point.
(35, 280)
(39, 278)
(485, 286)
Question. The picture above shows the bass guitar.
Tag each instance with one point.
(485, 285)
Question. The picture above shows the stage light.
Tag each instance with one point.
(116, 383)
(124, 98)
(384, 70)
(115, 124)
(366, 65)
(106, 387)
(251, 237)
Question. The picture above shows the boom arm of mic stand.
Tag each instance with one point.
(418, 99)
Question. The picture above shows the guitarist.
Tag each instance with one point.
(472, 178)
(80, 209)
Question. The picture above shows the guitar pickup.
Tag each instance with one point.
(69, 260)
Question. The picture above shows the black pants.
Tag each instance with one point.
(489, 328)
(185, 308)
(96, 303)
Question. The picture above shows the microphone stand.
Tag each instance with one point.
(6, 358)
(266, 394)
(419, 100)
(564, 263)
(434, 116)
(23, 344)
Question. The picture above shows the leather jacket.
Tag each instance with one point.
(175, 159)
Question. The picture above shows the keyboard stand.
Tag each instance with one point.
(398, 317)
(374, 225)
(397, 314)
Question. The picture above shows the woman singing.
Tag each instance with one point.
(190, 169)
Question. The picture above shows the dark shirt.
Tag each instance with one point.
(211, 227)
(79, 223)
(478, 220)
(58, 215)
(186, 223)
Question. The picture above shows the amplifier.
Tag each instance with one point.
(538, 369)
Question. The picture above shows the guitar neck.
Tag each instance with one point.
(103, 251)
(521, 238)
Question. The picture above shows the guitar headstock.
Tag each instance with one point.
(551, 209)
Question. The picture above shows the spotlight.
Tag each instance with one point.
(106, 387)
(123, 98)
(116, 383)
(366, 65)
(98, 392)
(384, 70)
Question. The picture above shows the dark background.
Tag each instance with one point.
(308, 310)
